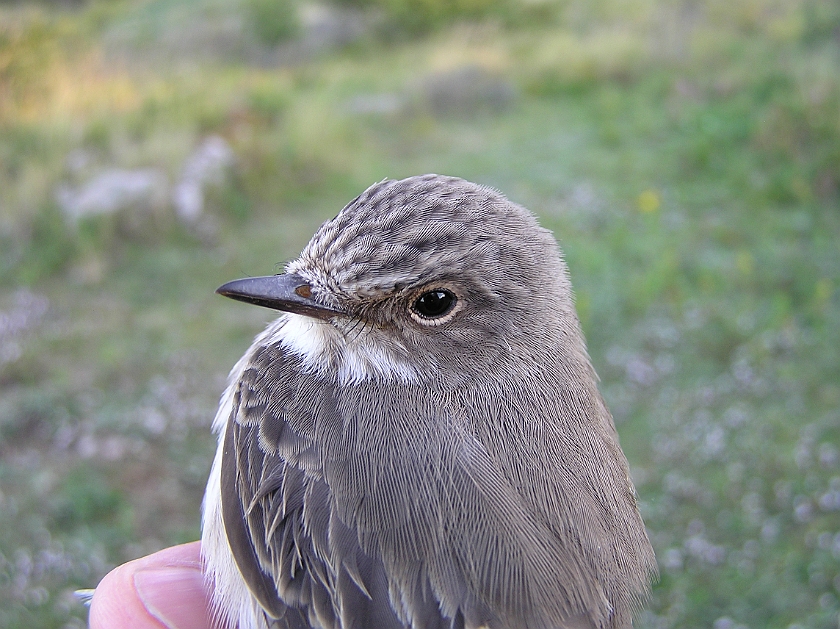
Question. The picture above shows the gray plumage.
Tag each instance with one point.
(383, 468)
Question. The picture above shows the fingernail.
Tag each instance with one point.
(175, 596)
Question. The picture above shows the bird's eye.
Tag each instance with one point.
(434, 304)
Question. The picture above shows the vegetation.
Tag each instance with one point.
(686, 155)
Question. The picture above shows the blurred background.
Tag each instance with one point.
(685, 153)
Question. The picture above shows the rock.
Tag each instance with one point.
(115, 190)
(208, 166)
(25, 312)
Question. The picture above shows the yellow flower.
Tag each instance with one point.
(648, 201)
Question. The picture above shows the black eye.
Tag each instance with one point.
(434, 303)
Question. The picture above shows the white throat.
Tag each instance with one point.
(347, 357)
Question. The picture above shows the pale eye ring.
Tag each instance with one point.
(434, 306)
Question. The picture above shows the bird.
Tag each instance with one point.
(418, 441)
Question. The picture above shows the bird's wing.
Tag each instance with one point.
(245, 527)
(371, 505)
(300, 560)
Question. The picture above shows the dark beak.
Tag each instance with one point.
(287, 292)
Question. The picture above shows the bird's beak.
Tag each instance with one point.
(287, 292)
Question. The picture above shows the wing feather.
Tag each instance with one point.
(304, 566)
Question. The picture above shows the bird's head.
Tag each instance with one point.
(423, 274)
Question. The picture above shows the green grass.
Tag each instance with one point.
(687, 157)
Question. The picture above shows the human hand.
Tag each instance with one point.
(166, 589)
